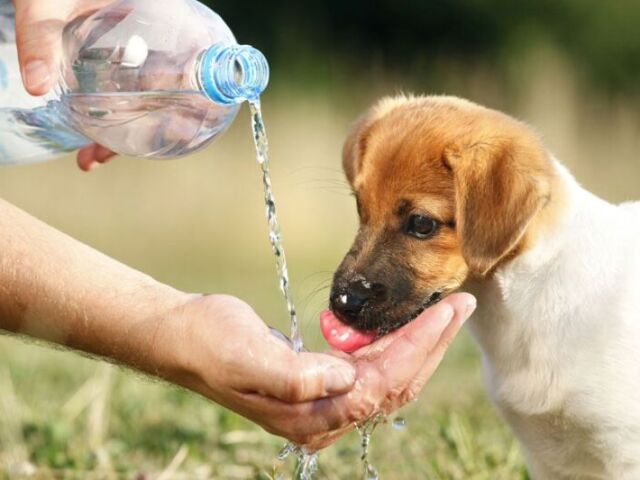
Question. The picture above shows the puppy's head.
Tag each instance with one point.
(445, 189)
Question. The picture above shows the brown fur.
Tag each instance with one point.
(483, 175)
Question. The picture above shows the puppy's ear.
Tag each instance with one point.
(354, 147)
(499, 187)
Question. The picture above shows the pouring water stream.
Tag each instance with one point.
(307, 463)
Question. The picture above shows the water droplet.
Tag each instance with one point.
(307, 465)
(371, 473)
(366, 430)
(399, 423)
(286, 451)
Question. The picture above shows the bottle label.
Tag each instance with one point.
(20, 142)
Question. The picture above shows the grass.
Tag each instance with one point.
(72, 417)
(198, 224)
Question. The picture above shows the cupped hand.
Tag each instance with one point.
(221, 349)
(392, 371)
(39, 26)
(224, 351)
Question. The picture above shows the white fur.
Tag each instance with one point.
(559, 329)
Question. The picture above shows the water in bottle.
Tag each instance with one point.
(141, 77)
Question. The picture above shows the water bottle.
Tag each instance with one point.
(141, 77)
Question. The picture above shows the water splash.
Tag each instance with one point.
(399, 423)
(365, 430)
(307, 462)
(275, 238)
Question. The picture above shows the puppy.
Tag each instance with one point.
(454, 195)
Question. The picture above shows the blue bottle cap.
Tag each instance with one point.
(231, 74)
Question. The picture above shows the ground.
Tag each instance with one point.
(73, 417)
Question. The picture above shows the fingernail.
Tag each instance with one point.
(446, 314)
(339, 378)
(36, 73)
(470, 308)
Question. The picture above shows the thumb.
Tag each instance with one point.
(39, 40)
(416, 342)
(300, 377)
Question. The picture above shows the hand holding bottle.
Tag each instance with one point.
(137, 79)
(39, 26)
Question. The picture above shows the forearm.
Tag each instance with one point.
(57, 289)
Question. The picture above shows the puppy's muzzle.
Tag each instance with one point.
(349, 301)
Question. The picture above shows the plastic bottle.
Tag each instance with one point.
(146, 78)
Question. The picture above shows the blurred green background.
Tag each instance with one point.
(570, 68)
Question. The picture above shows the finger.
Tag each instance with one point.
(402, 359)
(383, 343)
(86, 158)
(385, 370)
(296, 377)
(103, 154)
(384, 376)
(463, 305)
(323, 440)
(339, 354)
(303, 423)
(310, 422)
(92, 155)
(38, 38)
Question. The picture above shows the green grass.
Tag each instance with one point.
(73, 417)
(198, 224)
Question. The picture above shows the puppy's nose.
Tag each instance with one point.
(350, 301)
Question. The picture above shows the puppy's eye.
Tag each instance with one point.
(421, 227)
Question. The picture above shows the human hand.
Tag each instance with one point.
(39, 25)
(220, 348)
(225, 352)
(392, 371)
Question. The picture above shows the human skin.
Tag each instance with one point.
(39, 25)
(57, 289)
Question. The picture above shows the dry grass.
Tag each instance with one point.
(197, 223)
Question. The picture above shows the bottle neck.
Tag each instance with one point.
(232, 74)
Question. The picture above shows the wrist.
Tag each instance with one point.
(154, 338)
(198, 348)
(135, 332)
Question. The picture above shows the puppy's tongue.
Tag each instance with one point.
(343, 337)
